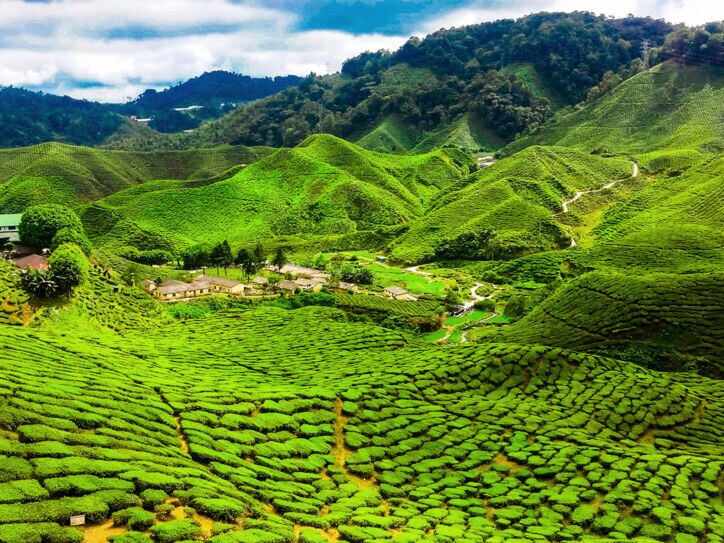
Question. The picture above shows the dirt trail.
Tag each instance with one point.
(180, 434)
(340, 452)
(416, 269)
(607, 186)
(581, 193)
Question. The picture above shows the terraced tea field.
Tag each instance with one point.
(286, 426)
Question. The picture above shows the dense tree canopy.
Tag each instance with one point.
(41, 223)
(68, 267)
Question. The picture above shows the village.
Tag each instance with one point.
(296, 279)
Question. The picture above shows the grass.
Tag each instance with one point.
(386, 276)
(304, 418)
(323, 187)
(72, 175)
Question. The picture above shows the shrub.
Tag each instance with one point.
(68, 267)
(176, 530)
(40, 223)
(152, 497)
(69, 235)
(135, 518)
(220, 508)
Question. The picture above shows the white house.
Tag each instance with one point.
(9, 228)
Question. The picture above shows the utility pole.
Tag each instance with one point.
(645, 50)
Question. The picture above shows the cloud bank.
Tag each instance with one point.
(109, 50)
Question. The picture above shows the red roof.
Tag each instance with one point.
(36, 262)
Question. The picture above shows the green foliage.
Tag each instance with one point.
(176, 530)
(40, 223)
(71, 235)
(68, 267)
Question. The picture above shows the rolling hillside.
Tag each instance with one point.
(670, 115)
(324, 186)
(71, 175)
(279, 426)
(516, 197)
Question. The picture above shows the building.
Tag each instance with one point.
(177, 290)
(287, 288)
(149, 286)
(345, 288)
(9, 228)
(310, 285)
(35, 262)
(399, 293)
(260, 282)
(224, 286)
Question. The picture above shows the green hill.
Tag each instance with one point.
(303, 422)
(670, 111)
(54, 172)
(390, 136)
(324, 186)
(516, 197)
(653, 318)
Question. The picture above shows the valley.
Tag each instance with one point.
(362, 323)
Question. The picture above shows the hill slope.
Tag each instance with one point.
(516, 197)
(70, 175)
(670, 111)
(323, 186)
(302, 422)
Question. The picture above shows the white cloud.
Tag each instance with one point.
(691, 12)
(249, 39)
(50, 45)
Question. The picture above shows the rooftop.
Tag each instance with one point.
(230, 283)
(396, 291)
(173, 287)
(36, 262)
(10, 219)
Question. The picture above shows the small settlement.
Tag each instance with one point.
(299, 279)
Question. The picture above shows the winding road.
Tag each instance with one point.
(607, 186)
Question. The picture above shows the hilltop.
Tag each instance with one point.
(503, 77)
(71, 175)
(323, 187)
(671, 112)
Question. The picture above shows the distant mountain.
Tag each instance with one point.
(29, 118)
(208, 96)
(475, 87)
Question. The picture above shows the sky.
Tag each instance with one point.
(112, 50)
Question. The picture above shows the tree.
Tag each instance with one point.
(68, 267)
(38, 282)
(68, 235)
(274, 281)
(259, 255)
(279, 259)
(196, 256)
(221, 255)
(245, 261)
(515, 307)
(41, 223)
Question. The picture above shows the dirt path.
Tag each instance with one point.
(416, 269)
(607, 186)
(581, 193)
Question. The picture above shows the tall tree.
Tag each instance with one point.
(245, 261)
(221, 255)
(279, 259)
(259, 255)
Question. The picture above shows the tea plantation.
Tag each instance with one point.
(303, 426)
(576, 397)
